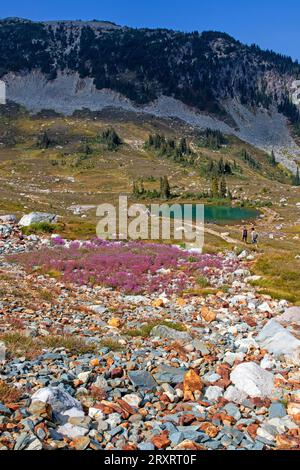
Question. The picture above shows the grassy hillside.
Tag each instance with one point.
(51, 163)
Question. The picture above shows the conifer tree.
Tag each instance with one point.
(223, 188)
(296, 179)
(215, 186)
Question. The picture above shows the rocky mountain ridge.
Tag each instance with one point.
(205, 79)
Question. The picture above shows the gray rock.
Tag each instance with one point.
(142, 379)
(35, 445)
(232, 410)
(22, 441)
(201, 347)
(8, 219)
(37, 217)
(146, 446)
(253, 380)
(279, 341)
(5, 230)
(169, 333)
(168, 374)
(277, 410)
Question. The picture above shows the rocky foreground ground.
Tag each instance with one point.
(91, 367)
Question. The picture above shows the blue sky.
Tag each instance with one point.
(272, 24)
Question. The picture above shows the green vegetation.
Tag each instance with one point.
(179, 152)
(296, 178)
(146, 329)
(164, 192)
(254, 164)
(19, 345)
(110, 138)
(280, 275)
(212, 139)
(111, 344)
(40, 228)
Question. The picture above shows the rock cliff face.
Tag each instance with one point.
(206, 80)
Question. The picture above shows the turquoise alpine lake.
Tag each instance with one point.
(213, 214)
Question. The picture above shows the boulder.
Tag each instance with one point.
(8, 219)
(253, 380)
(37, 217)
(5, 230)
(290, 315)
(169, 333)
(59, 399)
(279, 341)
(142, 379)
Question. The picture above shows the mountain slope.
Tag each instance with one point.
(206, 80)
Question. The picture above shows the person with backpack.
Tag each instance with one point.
(254, 236)
(245, 235)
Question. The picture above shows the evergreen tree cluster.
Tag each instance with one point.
(177, 151)
(220, 168)
(110, 138)
(164, 192)
(296, 178)
(143, 64)
(290, 110)
(219, 189)
(212, 139)
(250, 160)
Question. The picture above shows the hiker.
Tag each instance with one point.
(245, 235)
(254, 236)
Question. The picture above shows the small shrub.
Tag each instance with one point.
(39, 228)
(8, 393)
(111, 344)
(72, 344)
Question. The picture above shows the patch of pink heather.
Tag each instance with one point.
(132, 267)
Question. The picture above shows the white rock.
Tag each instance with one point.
(213, 393)
(235, 395)
(245, 344)
(36, 217)
(84, 376)
(96, 414)
(262, 432)
(73, 413)
(290, 315)
(264, 307)
(2, 351)
(133, 400)
(279, 341)
(59, 399)
(253, 380)
(101, 382)
(114, 420)
(231, 357)
(72, 431)
(98, 308)
(267, 362)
